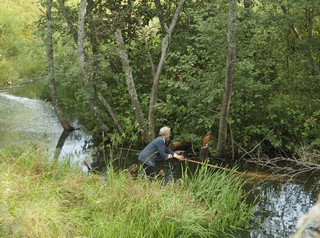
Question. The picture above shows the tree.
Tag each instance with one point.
(85, 8)
(86, 81)
(148, 133)
(276, 71)
(164, 51)
(81, 38)
(223, 125)
(52, 85)
(131, 87)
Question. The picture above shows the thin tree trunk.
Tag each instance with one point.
(109, 109)
(223, 125)
(81, 60)
(81, 37)
(74, 35)
(52, 85)
(165, 45)
(153, 71)
(163, 23)
(131, 87)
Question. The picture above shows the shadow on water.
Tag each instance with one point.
(280, 203)
(62, 139)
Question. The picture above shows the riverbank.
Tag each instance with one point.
(280, 203)
(45, 199)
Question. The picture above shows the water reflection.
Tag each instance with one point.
(76, 148)
(280, 205)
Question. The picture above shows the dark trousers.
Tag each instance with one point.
(149, 170)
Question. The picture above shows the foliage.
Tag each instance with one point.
(44, 198)
(22, 55)
(266, 106)
(275, 104)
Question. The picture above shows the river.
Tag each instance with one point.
(25, 120)
(280, 203)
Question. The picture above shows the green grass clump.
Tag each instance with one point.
(41, 198)
(223, 193)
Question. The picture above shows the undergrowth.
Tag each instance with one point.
(43, 198)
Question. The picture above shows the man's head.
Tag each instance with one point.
(165, 132)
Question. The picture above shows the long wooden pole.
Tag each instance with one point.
(243, 174)
(210, 165)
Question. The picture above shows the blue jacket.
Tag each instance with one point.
(153, 150)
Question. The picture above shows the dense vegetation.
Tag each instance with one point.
(40, 197)
(275, 103)
(22, 55)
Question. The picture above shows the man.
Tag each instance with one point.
(155, 149)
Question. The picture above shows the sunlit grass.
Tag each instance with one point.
(44, 199)
(22, 52)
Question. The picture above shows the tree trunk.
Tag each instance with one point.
(131, 87)
(52, 85)
(165, 45)
(109, 110)
(94, 44)
(81, 36)
(148, 133)
(81, 60)
(223, 125)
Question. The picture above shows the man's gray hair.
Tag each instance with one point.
(164, 130)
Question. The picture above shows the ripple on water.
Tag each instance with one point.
(25, 114)
(26, 119)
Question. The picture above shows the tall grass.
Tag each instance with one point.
(40, 198)
(224, 194)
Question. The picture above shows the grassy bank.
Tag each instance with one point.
(22, 52)
(43, 199)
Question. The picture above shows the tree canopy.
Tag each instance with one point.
(275, 103)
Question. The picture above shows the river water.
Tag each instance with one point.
(25, 120)
(280, 203)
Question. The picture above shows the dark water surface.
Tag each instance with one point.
(280, 203)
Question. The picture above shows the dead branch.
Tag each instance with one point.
(292, 167)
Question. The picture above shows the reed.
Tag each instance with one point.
(40, 198)
(223, 192)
